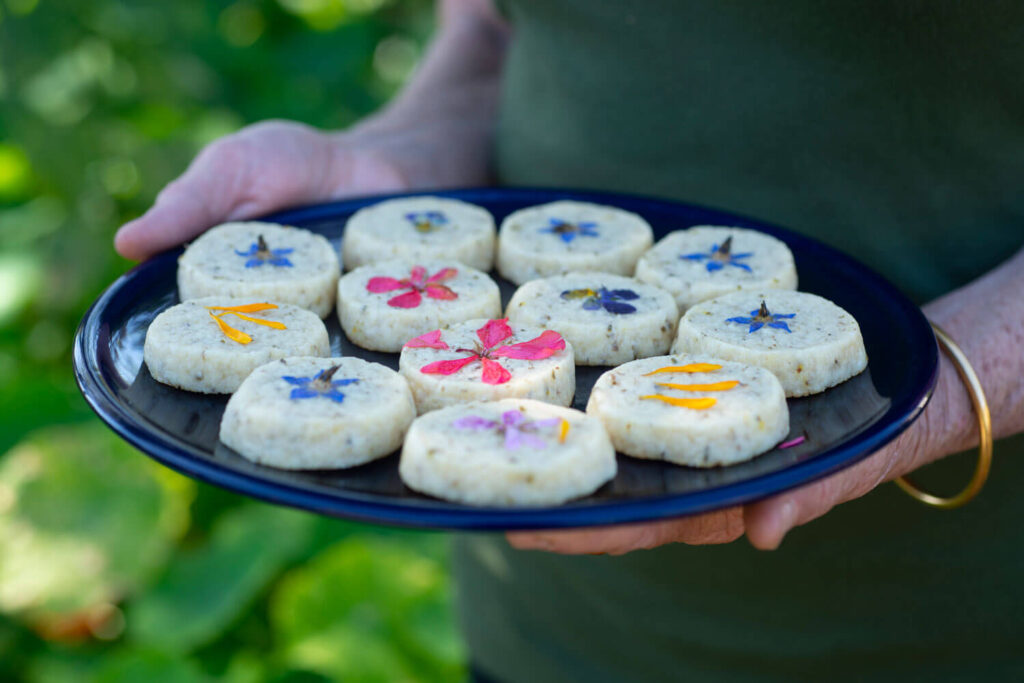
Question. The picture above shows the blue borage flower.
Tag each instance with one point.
(426, 221)
(602, 297)
(721, 256)
(761, 317)
(570, 231)
(319, 384)
(259, 254)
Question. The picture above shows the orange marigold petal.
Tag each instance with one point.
(259, 321)
(245, 308)
(714, 386)
(563, 431)
(691, 367)
(692, 403)
(230, 332)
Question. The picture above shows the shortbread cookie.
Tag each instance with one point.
(383, 305)
(210, 345)
(487, 360)
(808, 342)
(420, 228)
(318, 413)
(565, 236)
(514, 452)
(704, 262)
(261, 261)
(691, 410)
(608, 319)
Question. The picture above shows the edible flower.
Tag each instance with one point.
(702, 403)
(570, 231)
(320, 384)
(517, 430)
(762, 317)
(259, 253)
(426, 221)
(418, 284)
(721, 256)
(240, 311)
(608, 299)
(490, 347)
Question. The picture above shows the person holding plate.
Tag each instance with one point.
(893, 132)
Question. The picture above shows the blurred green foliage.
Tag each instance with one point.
(113, 569)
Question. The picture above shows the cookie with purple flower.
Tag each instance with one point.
(806, 341)
(261, 261)
(566, 236)
(608, 319)
(707, 261)
(418, 229)
(318, 413)
(508, 453)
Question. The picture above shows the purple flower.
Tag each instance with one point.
(426, 221)
(319, 384)
(761, 317)
(518, 430)
(608, 299)
(721, 256)
(259, 254)
(570, 231)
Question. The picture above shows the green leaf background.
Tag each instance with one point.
(112, 568)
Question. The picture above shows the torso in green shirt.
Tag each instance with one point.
(893, 130)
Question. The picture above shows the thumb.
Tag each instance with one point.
(206, 194)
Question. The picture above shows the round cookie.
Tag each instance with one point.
(515, 452)
(210, 345)
(704, 262)
(318, 413)
(691, 410)
(420, 228)
(261, 261)
(808, 342)
(608, 319)
(383, 305)
(566, 236)
(487, 360)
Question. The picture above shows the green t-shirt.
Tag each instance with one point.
(893, 130)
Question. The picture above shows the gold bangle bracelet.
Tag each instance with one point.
(973, 384)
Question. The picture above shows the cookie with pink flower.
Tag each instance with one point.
(514, 452)
(383, 305)
(488, 360)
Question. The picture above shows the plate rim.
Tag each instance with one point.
(366, 507)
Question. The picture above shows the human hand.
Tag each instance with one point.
(766, 522)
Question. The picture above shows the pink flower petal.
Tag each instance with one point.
(793, 442)
(440, 292)
(383, 284)
(430, 340)
(494, 373)
(443, 275)
(540, 347)
(447, 367)
(494, 332)
(418, 275)
(410, 299)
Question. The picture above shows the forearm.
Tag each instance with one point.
(451, 101)
(986, 318)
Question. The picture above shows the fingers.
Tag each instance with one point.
(722, 526)
(768, 521)
(206, 194)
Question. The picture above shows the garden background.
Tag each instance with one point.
(113, 568)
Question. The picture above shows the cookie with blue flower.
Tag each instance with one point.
(806, 341)
(708, 261)
(318, 413)
(608, 319)
(266, 261)
(566, 236)
(420, 228)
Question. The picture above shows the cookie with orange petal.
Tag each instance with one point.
(691, 410)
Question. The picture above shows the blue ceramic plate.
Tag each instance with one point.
(842, 425)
